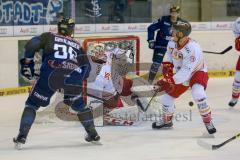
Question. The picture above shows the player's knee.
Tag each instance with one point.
(78, 104)
(198, 92)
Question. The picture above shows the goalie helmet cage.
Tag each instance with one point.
(47, 115)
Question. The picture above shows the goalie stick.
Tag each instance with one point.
(217, 146)
(223, 52)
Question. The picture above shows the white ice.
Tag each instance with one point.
(65, 140)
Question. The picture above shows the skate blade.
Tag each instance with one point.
(96, 143)
(163, 128)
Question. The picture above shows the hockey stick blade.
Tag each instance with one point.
(223, 52)
(145, 108)
(217, 146)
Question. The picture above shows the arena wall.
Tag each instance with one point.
(209, 40)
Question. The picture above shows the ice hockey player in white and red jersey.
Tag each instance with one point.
(236, 83)
(108, 87)
(185, 57)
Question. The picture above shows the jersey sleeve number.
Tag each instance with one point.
(63, 52)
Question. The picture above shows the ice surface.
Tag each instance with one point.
(65, 140)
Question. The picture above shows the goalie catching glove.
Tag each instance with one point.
(27, 68)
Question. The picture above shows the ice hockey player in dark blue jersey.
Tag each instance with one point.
(159, 42)
(63, 64)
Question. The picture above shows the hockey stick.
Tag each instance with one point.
(223, 52)
(217, 146)
(139, 103)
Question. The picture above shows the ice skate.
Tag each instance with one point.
(18, 142)
(210, 128)
(233, 102)
(162, 125)
(92, 135)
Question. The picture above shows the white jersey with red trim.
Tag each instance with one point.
(236, 27)
(186, 60)
(103, 81)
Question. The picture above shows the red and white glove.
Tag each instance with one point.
(165, 84)
(167, 69)
(237, 43)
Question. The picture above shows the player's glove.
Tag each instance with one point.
(167, 69)
(27, 68)
(151, 44)
(165, 84)
(237, 43)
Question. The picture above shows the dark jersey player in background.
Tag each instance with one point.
(63, 63)
(159, 43)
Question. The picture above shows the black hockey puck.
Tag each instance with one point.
(191, 103)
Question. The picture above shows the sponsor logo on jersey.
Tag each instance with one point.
(168, 24)
(40, 96)
(63, 65)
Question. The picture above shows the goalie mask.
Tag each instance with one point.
(97, 53)
(66, 26)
